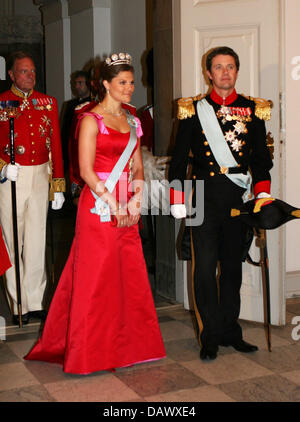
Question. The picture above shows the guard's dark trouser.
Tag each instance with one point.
(219, 238)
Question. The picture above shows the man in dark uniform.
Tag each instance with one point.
(227, 136)
(82, 90)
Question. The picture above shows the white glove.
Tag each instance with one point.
(178, 210)
(10, 172)
(59, 199)
(263, 195)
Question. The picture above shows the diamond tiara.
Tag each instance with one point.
(121, 58)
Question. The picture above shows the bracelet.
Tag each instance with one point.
(118, 208)
(137, 201)
(102, 193)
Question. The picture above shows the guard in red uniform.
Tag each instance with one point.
(38, 161)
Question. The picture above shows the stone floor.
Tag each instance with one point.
(181, 377)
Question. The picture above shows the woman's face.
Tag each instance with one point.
(121, 87)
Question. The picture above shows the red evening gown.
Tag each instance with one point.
(102, 315)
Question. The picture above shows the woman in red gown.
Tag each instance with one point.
(102, 315)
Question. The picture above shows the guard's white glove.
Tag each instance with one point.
(10, 172)
(59, 199)
(178, 210)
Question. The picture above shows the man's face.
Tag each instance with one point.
(81, 87)
(23, 74)
(223, 72)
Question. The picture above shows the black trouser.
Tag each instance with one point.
(220, 238)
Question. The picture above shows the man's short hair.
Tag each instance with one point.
(17, 55)
(82, 74)
(225, 51)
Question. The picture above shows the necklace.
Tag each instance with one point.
(118, 114)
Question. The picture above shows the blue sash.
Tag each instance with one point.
(102, 208)
(219, 146)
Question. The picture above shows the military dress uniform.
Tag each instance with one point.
(66, 128)
(220, 237)
(147, 123)
(38, 151)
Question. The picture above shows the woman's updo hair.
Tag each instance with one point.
(108, 72)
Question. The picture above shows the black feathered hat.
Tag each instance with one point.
(268, 217)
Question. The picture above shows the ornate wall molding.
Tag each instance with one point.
(20, 29)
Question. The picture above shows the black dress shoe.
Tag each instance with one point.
(241, 346)
(208, 353)
(42, 314)
(25, 319)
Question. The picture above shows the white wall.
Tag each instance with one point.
(90, 31)
(102, 32)
(128, 33)
(54, 57)
(78, 32)
(292, 54)
(82, 38)
(57, 50)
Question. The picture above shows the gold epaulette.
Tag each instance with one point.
(199, 97)
(262, 107)
(80, 106)
(2, 164)
(56, 185)
(186, 107)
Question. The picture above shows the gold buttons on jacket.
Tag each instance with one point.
(208, 153)
(240, 154)
(205, 143)
(211, 163)
(211, 173)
